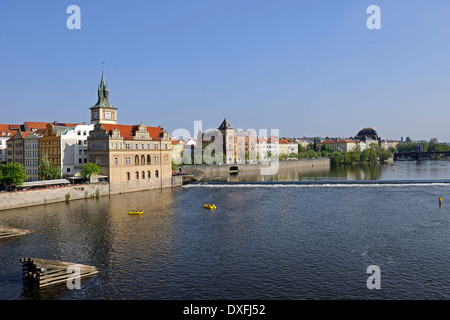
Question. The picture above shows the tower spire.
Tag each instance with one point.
(103, 111)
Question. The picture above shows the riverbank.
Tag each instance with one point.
(34, 197)
(202, 171)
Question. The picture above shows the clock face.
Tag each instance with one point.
(108, 115)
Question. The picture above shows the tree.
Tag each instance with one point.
(385, 155)
(12, 174)
(337, 158)
(326, 148)
(88, 169)
(47, 171)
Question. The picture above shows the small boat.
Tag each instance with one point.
(209, 206)
(135, 212)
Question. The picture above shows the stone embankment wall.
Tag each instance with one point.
(27, 198)
(269, 168)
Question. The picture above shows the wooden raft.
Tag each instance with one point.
(42, 272)
(6, 232)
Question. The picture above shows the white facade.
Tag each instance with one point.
(4, 136)
(74, 149)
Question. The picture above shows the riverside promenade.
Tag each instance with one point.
(71, 192)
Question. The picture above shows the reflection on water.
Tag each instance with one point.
(401, 170)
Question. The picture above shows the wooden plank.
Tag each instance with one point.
(6, 232)
(48, 272)
(65, 280)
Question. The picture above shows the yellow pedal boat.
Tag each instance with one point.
(136, 212)
(209, 206)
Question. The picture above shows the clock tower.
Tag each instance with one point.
(103, 111)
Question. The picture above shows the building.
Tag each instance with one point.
(31, 154)
(133, 157)
(287, 147)
(267, 148)
(367, 133)
(50, 144)
(74, 148)
(177, 151)
(386, 144)
(229, 145)
(341, 145)
(103, 111)
(6, 132)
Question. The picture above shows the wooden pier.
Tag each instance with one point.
(42, 272)
(6, 232)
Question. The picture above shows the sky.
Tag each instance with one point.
(305, 68)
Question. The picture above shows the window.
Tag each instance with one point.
(156, 174)
(80, 160)
(137, 175)
(142, 160)
(149, 175)
(136, 160)
(128, 176)
(143, 175)
(127, 160)
(98, 160)
(148, 159)
(116, 160)
(85, 160)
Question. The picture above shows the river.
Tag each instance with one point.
(264, 241)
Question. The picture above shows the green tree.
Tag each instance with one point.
(347, 158)
(47, 171)
(337, 158)
(88, 169)
(385, 155)
(12, 174)
(326, 148)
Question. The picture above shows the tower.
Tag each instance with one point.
(228, 140)
(103, 111)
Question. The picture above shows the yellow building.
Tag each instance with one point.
(341, 145)
(134, 157)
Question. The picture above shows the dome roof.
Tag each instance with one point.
(369, 132)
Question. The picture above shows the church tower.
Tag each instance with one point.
(103, 111)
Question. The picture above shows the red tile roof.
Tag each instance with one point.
(128, 131)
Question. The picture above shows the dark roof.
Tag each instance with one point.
(367, 132)
(225, 125)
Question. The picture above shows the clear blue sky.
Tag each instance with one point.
(307, 68)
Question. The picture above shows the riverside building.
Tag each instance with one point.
(133, 157)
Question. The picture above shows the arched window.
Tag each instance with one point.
(137, 175)
(149, 175)
(143, 160)
(148, 159)
(128, 176)
(156, 174)
(136, 160)
(143, 175)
